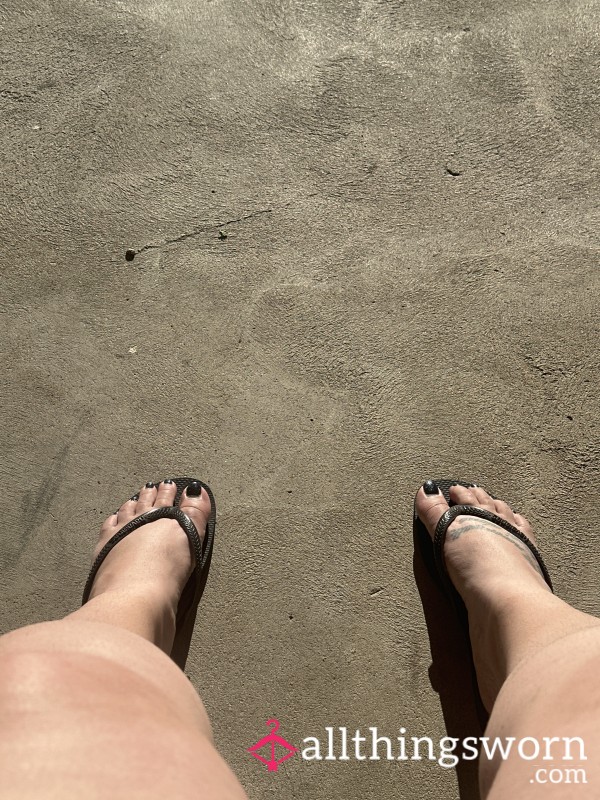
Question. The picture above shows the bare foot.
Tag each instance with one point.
(489, 567)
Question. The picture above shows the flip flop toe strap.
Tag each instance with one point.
(165, 512)
(474, 511)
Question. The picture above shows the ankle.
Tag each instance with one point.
(502, 619)
(150, 591)
(501, 592)
(149, 610)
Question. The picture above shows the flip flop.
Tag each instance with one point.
(192, 591)
(436, 563)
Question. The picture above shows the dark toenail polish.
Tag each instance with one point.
(193, 489)
(430, 487)
(135, 497)
(167, 480)
(149, 485)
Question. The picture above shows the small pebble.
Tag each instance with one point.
(130, 255)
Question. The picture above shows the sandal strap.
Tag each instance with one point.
(165, 512)
(474, 511)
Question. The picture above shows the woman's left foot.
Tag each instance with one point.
(490, 568)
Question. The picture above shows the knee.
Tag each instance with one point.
(36, 637)
(66, 664)
(41, 670)
(26, 674)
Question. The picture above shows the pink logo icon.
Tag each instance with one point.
(271, 741)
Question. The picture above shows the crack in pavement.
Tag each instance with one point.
(131, 253)
(204, 228)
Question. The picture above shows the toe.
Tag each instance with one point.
(126, 512)
(499, 507)
(463, 495)
(481, 495)
(147, 496)
(522, 523)
(504, 510)
(111, 521)
(429, 508)
(128, 508)
(471, 496)
(166, 492)
(196, 506)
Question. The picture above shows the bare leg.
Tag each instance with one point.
(92, 706)
(537, 658)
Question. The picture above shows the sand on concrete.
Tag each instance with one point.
(366, 253)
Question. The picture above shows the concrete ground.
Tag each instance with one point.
(366, 254)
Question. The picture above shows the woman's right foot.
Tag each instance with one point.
(491, 569)
(151, 565)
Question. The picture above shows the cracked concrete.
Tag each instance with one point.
(408, 288)
(205, 228)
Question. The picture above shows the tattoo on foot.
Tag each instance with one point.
(457, 533)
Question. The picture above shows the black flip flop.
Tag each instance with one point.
(437, 567)
(192, 591)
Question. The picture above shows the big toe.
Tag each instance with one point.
(195, 501)
(430, 504)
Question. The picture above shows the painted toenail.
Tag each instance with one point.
(430, 487)
(167, 480)
(135, 497)
(194, 489)
(149, 485)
